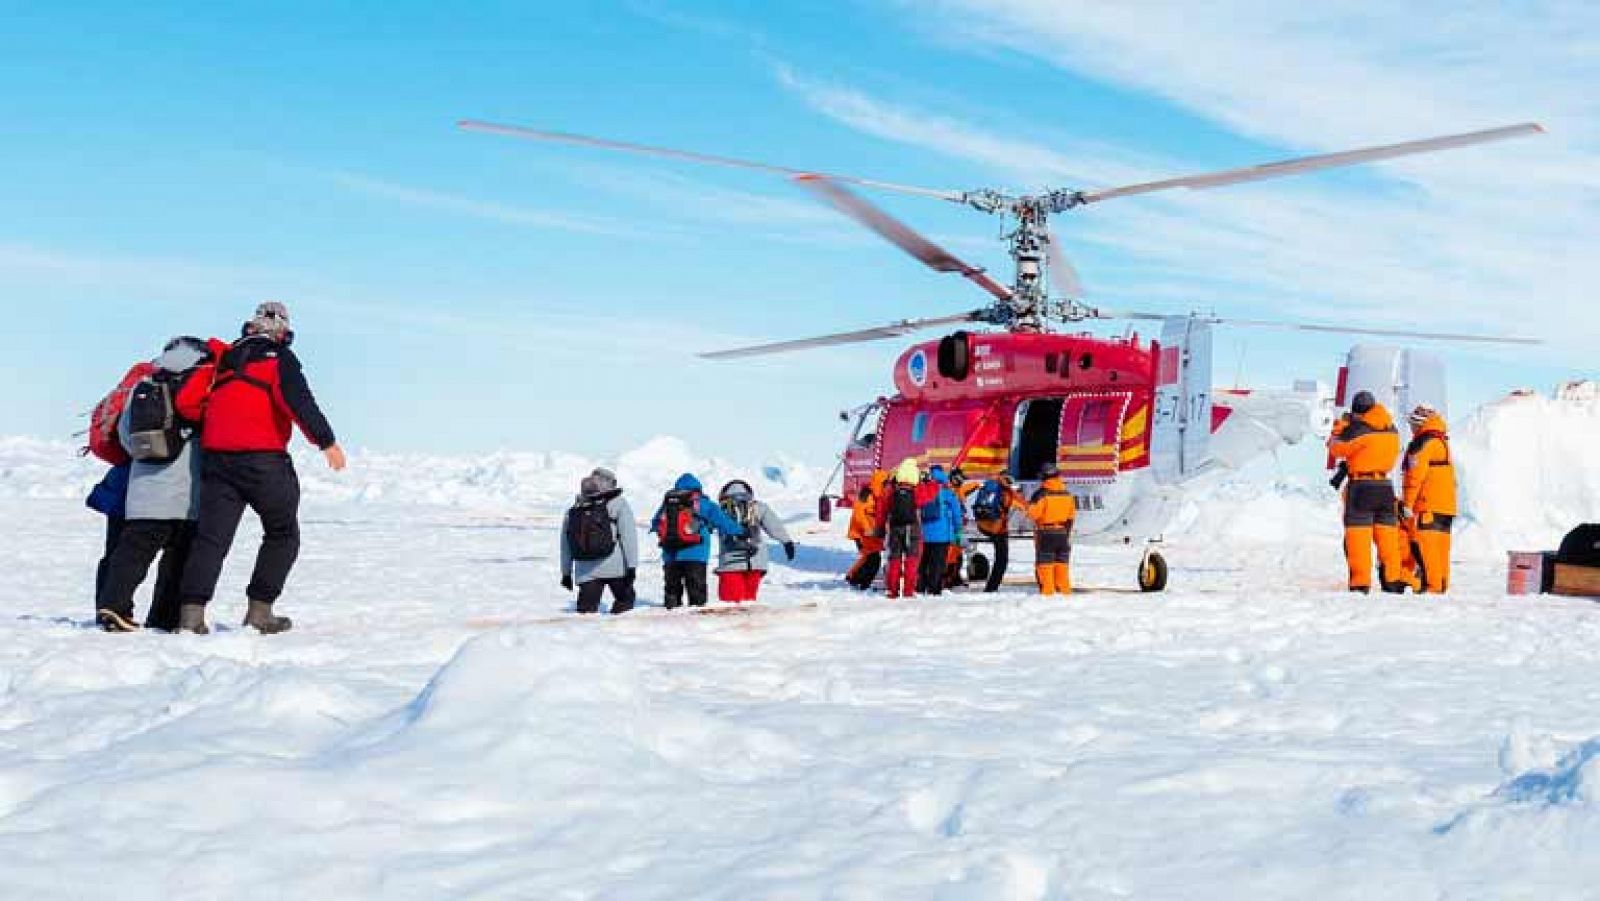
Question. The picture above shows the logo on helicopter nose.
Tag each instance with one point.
(917, 368)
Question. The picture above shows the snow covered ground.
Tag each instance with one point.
(436, 726)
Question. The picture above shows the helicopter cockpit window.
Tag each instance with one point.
(867, 440)
(919, 428)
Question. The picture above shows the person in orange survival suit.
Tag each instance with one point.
(865, 533)
(1428, 498)
(1370, 447)
(1052, 510)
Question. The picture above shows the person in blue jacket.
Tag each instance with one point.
(942, 521)
(683, 525)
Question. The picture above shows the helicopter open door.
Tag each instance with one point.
(1180, 438)
(1037, 439)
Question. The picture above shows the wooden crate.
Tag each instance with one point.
(1577, 581)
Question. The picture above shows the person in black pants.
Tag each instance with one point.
(600, 545)
(683, 526)
(109, 498)
(248, 403)
(161, 503)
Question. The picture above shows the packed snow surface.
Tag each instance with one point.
(438, 725)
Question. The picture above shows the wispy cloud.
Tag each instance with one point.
(492, 211)
(1473, 237)
(26, 266)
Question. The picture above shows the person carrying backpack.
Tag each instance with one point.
(600, 545)
(941, 515)
(900, 522)
(248, 403)
(865, 533)
(1053, 510)
(162, 499)
(110, 496)
(992, 503)
(683, 526)
(742, 559)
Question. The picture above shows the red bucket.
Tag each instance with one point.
(1524, 572)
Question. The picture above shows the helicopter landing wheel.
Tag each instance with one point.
(977, 568)
(1153, 573)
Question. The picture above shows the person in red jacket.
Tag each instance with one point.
(248, 405)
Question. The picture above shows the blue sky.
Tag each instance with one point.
(167, 167)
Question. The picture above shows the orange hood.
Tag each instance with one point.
(1378, 418)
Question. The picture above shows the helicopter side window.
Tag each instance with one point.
(867, 440)
(1092, 423)
(919, 428)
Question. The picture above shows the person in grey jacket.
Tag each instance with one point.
(742, 561)
(617, 568)
(162, 506)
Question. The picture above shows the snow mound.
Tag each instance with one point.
(1575, 779)
(31, 468)
(1551, 809)
(1527, 472)
(1257, 505)
(577, 704)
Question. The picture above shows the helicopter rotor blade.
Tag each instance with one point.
(1313, 163)
(1063, 275)
(1375, 332)
(898, 233)
(892, 330)
(561, 137)
(1322, 328)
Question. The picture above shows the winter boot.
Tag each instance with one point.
(112, 621)
(260, 617)
(192, 618)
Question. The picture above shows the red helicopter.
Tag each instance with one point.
(1131, 423)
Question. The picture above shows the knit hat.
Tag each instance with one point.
(908, 473)
(1049, 471)
(1362, 402)
(1421, 415)
(604, 478)
(271, 319)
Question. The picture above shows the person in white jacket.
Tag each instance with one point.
(742, 560)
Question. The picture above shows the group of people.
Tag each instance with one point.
(600, 543)
(1411, 531)
(195, 437)
(919, 520)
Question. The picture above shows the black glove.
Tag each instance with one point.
(1339, 475)
(566, 582)
(788, 549)
(632, 571)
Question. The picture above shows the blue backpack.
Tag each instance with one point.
(989, 503)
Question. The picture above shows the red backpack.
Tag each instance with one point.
(104, 442)
(679, 526)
